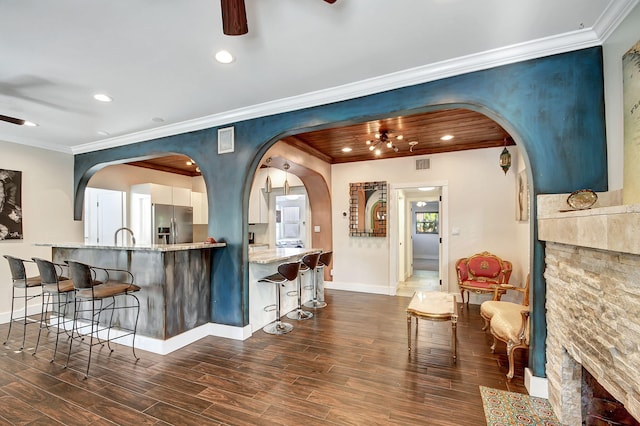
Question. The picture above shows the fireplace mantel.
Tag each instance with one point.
(605, 227)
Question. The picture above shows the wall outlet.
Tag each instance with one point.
(332, 272)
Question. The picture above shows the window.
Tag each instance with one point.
(426, 223)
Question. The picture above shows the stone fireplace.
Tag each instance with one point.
(592, 272)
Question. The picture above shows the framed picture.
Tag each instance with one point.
(225, 140)
(10, 205)
(522, 197)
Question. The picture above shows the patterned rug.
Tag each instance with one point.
(503, 408)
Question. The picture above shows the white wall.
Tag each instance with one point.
(47, 205)
(482, 203)
(616, 45)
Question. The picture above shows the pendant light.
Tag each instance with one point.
(267, 185)
(287, 189)
(505, 158)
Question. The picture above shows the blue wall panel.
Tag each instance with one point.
(553, 107)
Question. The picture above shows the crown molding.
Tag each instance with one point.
(563, 43)
(48, 147)
(612, 16)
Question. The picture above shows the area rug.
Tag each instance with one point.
(502, 408)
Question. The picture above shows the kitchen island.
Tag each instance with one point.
(175, 281)
(262, 295)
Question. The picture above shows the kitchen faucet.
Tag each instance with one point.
(115, 236)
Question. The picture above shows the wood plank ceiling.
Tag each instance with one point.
(420, 134)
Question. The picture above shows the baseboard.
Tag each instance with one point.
(360, 287)
(164, 347)
(536, 386)
(31, 310)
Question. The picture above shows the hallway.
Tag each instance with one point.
(420, 280)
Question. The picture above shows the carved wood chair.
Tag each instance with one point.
(482, 273)
(508, 321)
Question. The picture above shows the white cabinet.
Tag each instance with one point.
(200, 208)
(258, 203)
(181, 196)
(164, 194)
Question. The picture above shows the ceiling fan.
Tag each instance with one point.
(13, 120)
(234, 16)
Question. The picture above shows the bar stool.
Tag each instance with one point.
(21, 281)
(58, 288)
(309, 263)
(324, 260)
(102, 299)
(286, 272)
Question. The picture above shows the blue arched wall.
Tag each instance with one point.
(553, 106)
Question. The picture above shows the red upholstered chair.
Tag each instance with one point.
(482, 273)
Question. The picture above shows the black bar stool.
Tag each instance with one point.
(286, 272)
(309, 263)
(21, 282)
(102, 299)
(58, 288)
(324, 260)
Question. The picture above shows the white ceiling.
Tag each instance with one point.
(155, 57)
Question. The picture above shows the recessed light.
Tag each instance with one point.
(102, 97)
(426, 188)
(346, 149)
(30, 124)
(446, 138)
(224, 57)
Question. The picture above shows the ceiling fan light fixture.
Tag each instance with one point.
(372, 147)
(378, 152)
(224, 57)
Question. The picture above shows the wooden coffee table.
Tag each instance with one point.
(433, 306)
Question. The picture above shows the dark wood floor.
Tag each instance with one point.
(347, 365)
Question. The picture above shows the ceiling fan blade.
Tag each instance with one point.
(17, 121)
(234, 17)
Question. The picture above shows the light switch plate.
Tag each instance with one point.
(316, 228)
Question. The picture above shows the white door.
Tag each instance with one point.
(402, 241)
(104, 214)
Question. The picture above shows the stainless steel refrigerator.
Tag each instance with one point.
(171, 224)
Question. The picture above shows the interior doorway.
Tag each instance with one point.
(418, 249)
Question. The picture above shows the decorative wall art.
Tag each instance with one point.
(368, 209)
(10, 205)
(522, 197)
(631, 89)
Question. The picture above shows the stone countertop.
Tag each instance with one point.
(151, 247)
(279, 254)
